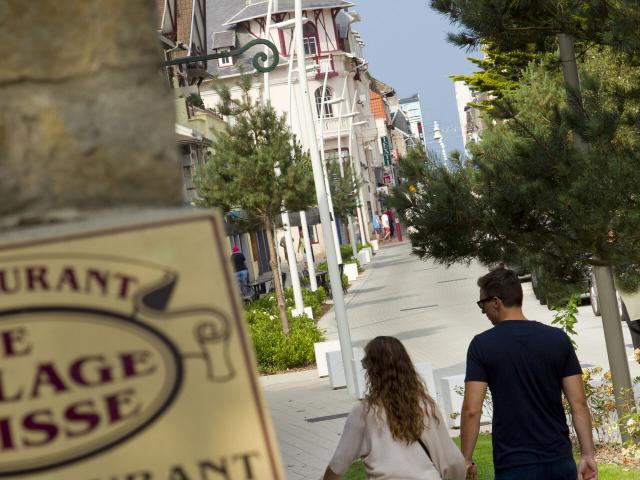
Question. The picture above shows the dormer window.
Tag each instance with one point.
(225, 61)
(311, 39)
(224, 42)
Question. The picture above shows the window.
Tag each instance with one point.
(311, 40)
(328, 108)
(225, 61)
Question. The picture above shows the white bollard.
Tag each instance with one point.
(374, 245)
(351, 271)
(320, 350)
(363, 257)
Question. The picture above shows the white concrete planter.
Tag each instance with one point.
(336, 370)
(320, 350)
(351, 271)
(452, 400)
(374, 245)
(364, 256)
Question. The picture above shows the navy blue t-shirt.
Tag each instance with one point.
(524, 362)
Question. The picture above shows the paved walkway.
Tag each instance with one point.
(432, 310)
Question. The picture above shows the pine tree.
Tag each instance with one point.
(344, 187)
(241, 175)
(500, 72)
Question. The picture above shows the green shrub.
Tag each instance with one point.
(309, 298)
(276, 351)
(347, 252)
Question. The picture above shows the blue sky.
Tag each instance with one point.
(406, 47)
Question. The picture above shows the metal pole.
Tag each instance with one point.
(612, 326)
(334, 228)
(620, 375)
(360, 211)
(354, 246)
(323, 206)
(311, 268)
(286, 224)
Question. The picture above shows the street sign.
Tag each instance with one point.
(124, 356)
(386, 150)
(387, 179)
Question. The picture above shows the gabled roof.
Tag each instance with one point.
(224, 39)
(414, 98)
(380, 87)
(257, 10)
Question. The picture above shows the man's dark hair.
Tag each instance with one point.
(502, 283)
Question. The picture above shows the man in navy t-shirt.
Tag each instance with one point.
(527, 366)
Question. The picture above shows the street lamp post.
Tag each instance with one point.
(323, 207)
(286, 224)
(323, 103)
(354, 247)
(311, 268)
(362, 219)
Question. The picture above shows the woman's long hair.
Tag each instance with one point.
(396, 387)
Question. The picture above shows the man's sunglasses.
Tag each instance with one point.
(481, 303)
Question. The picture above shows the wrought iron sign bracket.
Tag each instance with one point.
(259, 60)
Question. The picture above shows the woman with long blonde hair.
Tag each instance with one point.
(396, 429)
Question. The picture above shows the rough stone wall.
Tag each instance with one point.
(85, 119)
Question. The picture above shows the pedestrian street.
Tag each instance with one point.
(430, 308)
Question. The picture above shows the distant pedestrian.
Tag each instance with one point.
(240, 267)
(392, 222)
(377, 228)
(527, 366)
(397, 429)
(385, 226)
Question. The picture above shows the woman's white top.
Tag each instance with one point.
(367, 436)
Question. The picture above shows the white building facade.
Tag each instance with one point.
(413, 111)
(335, 51)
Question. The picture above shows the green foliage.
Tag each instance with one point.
(518, 24)
(529, 193)
(241, 172)
(276, 351)
(500, 72)
(566, 318)
(240, 177)
(309, 298)
(344, 187)
(347, 252)
(195, 100)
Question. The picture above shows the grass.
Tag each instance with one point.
(484, 459)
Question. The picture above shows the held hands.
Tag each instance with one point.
(587, 468)
(472, 470)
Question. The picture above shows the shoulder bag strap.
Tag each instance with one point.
(426, 450)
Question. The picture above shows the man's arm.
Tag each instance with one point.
(474, 393)
(574, 391)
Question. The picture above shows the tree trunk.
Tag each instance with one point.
(277, 280)
(611, 325)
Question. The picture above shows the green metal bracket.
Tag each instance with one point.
(258, 60)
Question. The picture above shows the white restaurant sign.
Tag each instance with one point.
(123, 356)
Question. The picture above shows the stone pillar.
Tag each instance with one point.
(86, 122)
